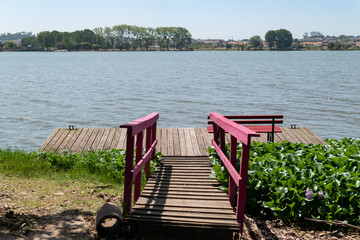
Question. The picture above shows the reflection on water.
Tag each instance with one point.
(43, 91)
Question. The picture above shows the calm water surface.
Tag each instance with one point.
(42, 91)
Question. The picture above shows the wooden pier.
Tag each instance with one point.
(180, 201)
(179, 142)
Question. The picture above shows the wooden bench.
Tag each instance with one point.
(252, 121)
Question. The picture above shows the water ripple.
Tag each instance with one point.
(43, 91)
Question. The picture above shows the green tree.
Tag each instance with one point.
(338, 46)
(44, 39)
(283, 39)
(9, 44)
(182, 38)
(109, 37)
(29, 41)
(270, 38)
(1, 44)
(255, 41)
(331, 46)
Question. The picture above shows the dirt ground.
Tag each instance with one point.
(72, 224)
(33, 209)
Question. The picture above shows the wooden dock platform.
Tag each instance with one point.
(179, 201)
(178, 142)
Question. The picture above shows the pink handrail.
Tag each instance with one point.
(244, 135)
(136, 128)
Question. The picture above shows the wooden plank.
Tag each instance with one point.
(289, 136)
(103, 139)
(182, 209)
(183, 148)
(122, 139)
(62, 146)
(50, 146)
(73, 139)
(182, 189)
(186, 196)
(188, 143)
(59, 141)
(184, 219)
(78, 141)
(178, 182)
(97, 139)
(91, 139)
(279, 137)
(227, 138)
(201, 142)
(304, 137)
(188, 214)
(170, 141)
(318, 139)
(206, 137)
(82, 144)
(187, 163)
(299, 135)
(116, 137)
(182, 192)
(159, 138)
(194, 142)
(263, 137)
(164, 142)
(293, 135)
(43, 147)
(110, 139)
(177, 150)
(182, 202)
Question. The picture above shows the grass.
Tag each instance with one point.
(32, 180)
(46, 195)
(47, 184)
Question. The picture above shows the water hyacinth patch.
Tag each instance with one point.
(295, 180)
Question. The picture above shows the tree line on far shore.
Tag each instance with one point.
(132, 38)
(121, 37)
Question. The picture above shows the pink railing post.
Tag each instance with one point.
(129, 165)
(244, 165)
(153, 137)
(216, 133)
(136, 128)
(232, 184)
(243, 134)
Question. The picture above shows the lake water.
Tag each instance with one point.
(42, 91)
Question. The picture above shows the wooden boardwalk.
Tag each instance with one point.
(172, 141)
(179, 201)
(180, 198)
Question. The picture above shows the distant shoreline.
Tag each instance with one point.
(188, 50)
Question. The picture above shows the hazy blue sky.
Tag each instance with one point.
(204, 19)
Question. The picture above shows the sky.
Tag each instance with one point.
(232, 19)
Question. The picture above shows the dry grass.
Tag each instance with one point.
(28, 207)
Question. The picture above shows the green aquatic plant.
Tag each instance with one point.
(296, 180)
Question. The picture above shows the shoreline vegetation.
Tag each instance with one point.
(134, 38)
(288, 184)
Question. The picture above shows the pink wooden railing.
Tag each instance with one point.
(244, 135)
(136, 128)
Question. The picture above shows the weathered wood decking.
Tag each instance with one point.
(172, 141)
(179, 201)
(181, 198)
